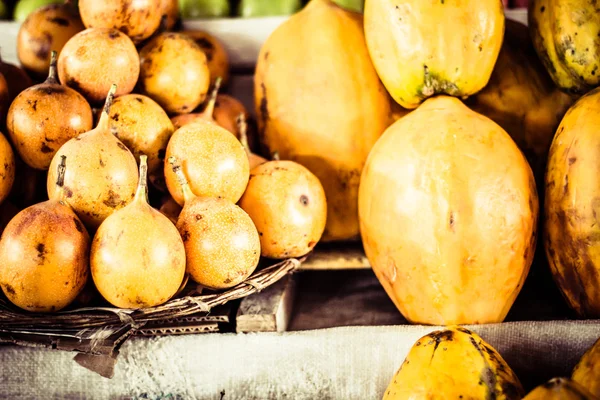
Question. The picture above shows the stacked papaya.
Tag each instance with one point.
(129, 120)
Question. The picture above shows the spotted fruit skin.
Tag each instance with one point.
(216, 56)
(174, 72)
(560, 389)
(454, 363)
(97, 58)
(288, 207)
(566, 36)
(424, 48)
(7, 168)
(222, 245)
(213, 160)
(571, 207)
(587, 371)
(45, 30)
(145, 128)
(102, 176)
(44, 257)
(43, 118)
(319, 102)
(137, 258)
(137, 19)
(448, 218)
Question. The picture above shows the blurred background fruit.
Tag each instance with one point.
(261, 8)
(25, 7)
(204, 8)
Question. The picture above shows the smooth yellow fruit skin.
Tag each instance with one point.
(587, 370)
(422, 48)
(320, 103)
(572, 206)
(566, 35)
(560, 389)
(454, 364)
(448, 210)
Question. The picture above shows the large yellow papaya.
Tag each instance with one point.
(422, 48)
(572, 206)
(566, 35)
(522, 99)
(448, 209)
(560, 389)
(587, 370)
(454, 364)
(319, 102)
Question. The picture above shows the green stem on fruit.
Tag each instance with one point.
(243, 128)
(52, 72)
(182, 180)
(210, 107)
(142, 189)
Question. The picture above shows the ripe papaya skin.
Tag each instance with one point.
(448, 218)
(320, 103)
(454, 364)
(522, 98)
(572, 207)
(587, 370)
(423, 48)
(568, 42)
(560, 389)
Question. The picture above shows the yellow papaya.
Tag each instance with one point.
(566, 35)
(454, 364)
(572, 206)
(448, 212)
(559, 389)
(423, 48)
(522, 99)
(319, 102)
(587, 370)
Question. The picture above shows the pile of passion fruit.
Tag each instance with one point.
(83, 201)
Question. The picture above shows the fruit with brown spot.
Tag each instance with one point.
(144, 127)
(44, 254)
(103, 174)
(288, 206)
(44, 117)
(222, 245)
(95, 59)
(7, 168)
(207, 115)
(213, 160)
(137, 19)
(454, 363)
(254, 160)
(216, 55)
(587, 370)
(572, 206)
(448, 219)
(16, 79)
(46, 29)
(174, 72)
(169, 13)
(319, 102)
(560, 389)
(138, 257)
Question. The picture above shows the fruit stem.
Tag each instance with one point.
(142, 189)
(60, 177)
(210, 107)
(103, 123)
(183, 182)
(275, 156)
(243, 128)
(52, 74)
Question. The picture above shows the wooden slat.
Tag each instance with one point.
(269, 310)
